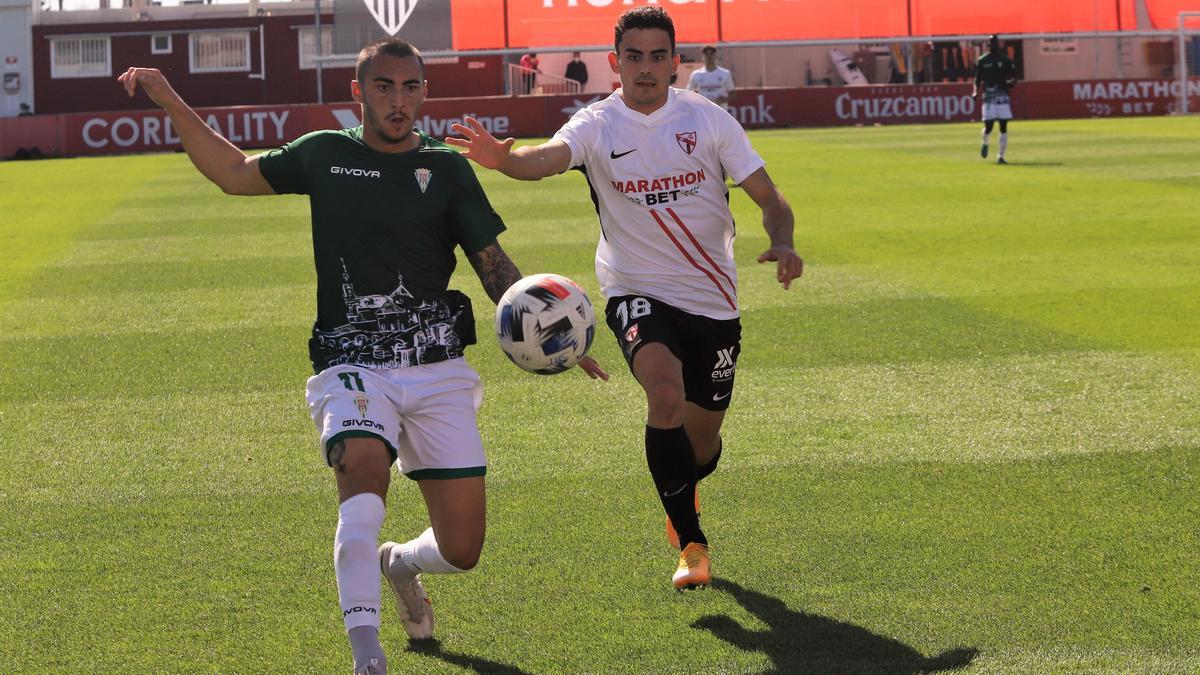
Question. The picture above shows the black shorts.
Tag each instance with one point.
(708, 348)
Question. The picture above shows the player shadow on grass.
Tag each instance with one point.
(1033, 165)
(475, 664)
(797, 642)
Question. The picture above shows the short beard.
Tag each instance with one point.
(381, 131)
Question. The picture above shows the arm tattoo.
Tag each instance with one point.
(496, 272)
(336, 453)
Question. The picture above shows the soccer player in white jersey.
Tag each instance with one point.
(656, 158)
(712, 81)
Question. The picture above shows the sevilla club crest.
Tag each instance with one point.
(686, 140)
(391, 14)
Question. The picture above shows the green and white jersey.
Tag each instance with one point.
(994, 71)
(384, 229)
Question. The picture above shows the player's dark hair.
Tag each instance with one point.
(646, 16)
(391, 46)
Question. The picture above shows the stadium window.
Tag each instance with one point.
(308, 45)
(80, 57)
(160, 43)
(223, 52)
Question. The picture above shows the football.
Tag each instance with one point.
(545, 323)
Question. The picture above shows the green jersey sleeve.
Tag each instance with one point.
(475, 223)
(283, 167)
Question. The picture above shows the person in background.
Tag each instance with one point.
(24, 110)
(529, 65)
(577, 70)
(712, 81)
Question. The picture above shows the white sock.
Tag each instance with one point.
(421, 555)
(1003, 143)
(364, 645)
(985, 137)
(355, 560)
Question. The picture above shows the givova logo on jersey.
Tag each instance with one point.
(349, 171)
(726, 364)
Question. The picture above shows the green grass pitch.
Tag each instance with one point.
(969, 437)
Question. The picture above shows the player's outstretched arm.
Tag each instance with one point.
(219, 160)
(497, 272)
(531, 162)
(779, 222)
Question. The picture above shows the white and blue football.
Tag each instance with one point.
(545, 323)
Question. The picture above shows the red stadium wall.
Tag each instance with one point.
(527, 116)
(492, 24)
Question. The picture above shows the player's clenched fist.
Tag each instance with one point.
(153, 83)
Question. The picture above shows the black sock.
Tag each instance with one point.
(705, 470)
(673, 467)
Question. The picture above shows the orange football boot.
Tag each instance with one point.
(695, 569)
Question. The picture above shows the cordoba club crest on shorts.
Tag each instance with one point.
(362, 405)
(423, 176)
(391, 14)
(686, 140)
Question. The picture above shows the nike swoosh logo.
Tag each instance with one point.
(613, 153)
(721, 397)
(672, 494)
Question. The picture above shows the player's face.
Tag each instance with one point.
(710, 60)
(645, 62)
(391, 93)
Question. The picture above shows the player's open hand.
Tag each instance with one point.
(588, 365)
(788, 266)
(153, 83)
(479, 144)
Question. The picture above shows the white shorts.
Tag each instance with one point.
(997, 106)
(424, 414)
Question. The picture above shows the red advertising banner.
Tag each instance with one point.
(750, 20)
(1164, 14)
(498, 24)
(963, 17)
(1100, 98)
(532, 116)
(477, 24)
(555, 23)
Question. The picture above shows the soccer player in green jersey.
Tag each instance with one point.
(389, 206)
(995, 76)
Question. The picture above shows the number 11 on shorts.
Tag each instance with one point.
(352, 381)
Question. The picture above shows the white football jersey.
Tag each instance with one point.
(658, 182)
(711, 84)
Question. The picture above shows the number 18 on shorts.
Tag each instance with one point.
(708, 348)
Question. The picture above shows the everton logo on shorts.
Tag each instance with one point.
(686, 140)
(391, 14)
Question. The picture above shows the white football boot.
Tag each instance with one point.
(412, 602)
